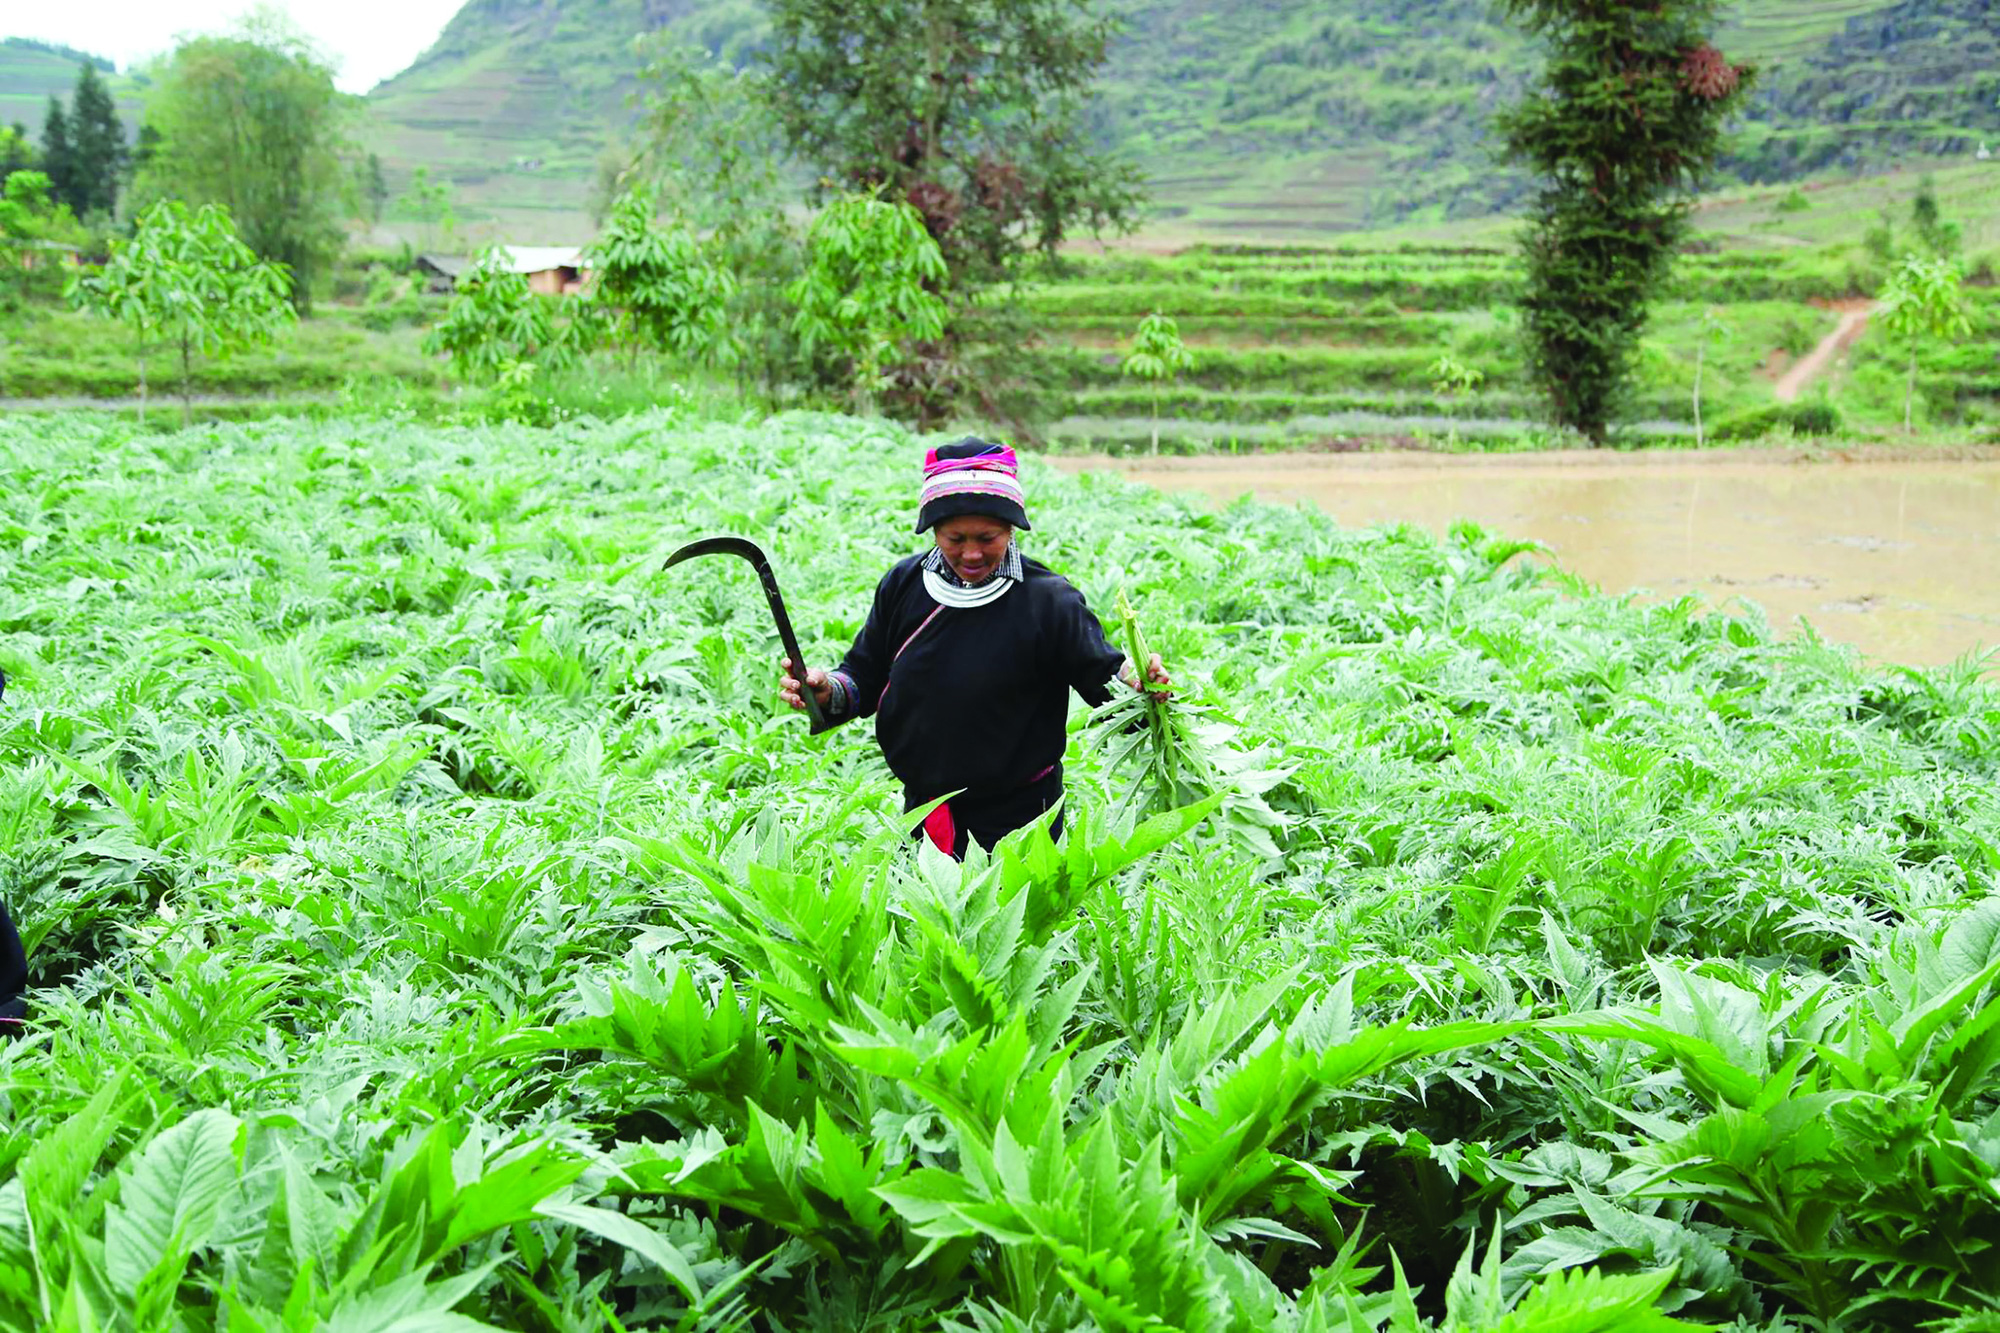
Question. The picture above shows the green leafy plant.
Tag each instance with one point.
(1922, 301)
(667, 291)
(494, 320)
(30, 217)
(1157, 356)
(870, 287)
(434, 923)
(190, 281)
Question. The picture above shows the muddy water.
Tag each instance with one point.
(1900, 558)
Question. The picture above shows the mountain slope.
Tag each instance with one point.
(30, 73)
(1270, 117)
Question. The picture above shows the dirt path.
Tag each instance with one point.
(1853, 320)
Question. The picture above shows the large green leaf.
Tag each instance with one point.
(167, 1202)
(631, 1234)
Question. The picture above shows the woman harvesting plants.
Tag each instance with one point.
(968, 657)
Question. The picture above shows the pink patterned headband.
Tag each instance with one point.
(998, 457)
(993, 474)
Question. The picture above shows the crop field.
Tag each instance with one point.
(437, 925)
(1301, 346)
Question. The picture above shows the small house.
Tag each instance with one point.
(550, 269)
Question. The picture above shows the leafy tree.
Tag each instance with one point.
(868, 286)
(190, 281)
(666, 291)
(253, 122)
(494, 320)
(973, 112)
(1627, 117)
(17, 151)
(1158, 356)
(29, 213)
(58, 156)
(710, 149)
(1921, 300)
(97, 141)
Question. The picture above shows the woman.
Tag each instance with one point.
(968, 657)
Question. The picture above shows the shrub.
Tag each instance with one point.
(1799, 419)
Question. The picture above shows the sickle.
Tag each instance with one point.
(750, 551)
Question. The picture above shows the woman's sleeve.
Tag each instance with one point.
(1083, 655)
(863, 674)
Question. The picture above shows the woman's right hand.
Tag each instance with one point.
(816, 681)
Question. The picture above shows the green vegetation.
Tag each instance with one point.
(1268, 118)
(1299, 345)
(59, 354)
(33, 227)
(253, 123)
(1158, 356)
(31, 72)
(83, 147)
(1621, 127)
(1291, 343)
(667, 292)
(1922, 301)
(869, 288)
(495, 324)
(972, 114)
(190, 282)
(441, 927)
(973, 111)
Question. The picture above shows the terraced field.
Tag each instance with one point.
(1307, 346)
(29, 77)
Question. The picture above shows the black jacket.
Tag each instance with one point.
(979, 699)
(13, 971)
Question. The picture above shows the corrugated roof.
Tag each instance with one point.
(522, 259)
(536, 258)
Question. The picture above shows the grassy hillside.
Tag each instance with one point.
(517, 98)
(1267, 116)
(29, 75)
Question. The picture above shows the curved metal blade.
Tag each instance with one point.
(749, 550)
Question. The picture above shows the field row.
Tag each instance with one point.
(1288, 348)
(1095, 284)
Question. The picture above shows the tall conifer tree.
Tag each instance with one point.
(97, 143)
(58, 155)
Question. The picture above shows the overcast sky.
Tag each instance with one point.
(368, 40)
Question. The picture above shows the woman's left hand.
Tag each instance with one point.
(1156, 675)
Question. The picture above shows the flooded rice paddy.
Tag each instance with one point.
(1900, 558)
